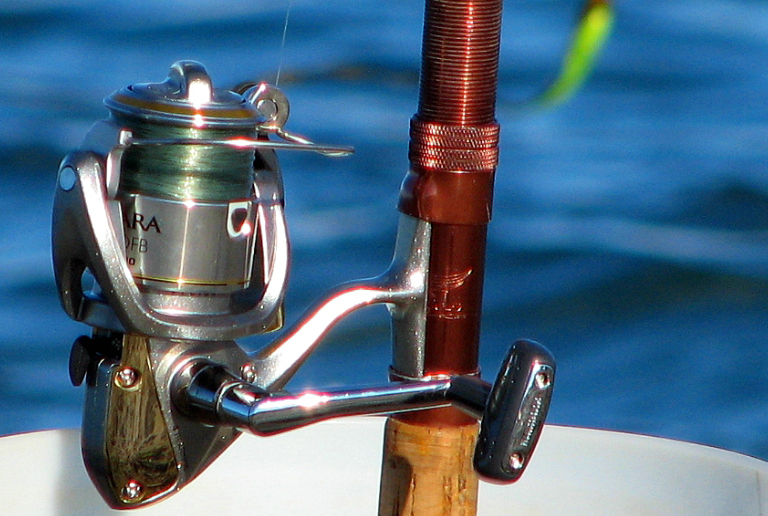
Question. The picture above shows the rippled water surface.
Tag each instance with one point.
(630, 231)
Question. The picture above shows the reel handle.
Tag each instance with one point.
(513, 409)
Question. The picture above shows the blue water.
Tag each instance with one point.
(630, 232)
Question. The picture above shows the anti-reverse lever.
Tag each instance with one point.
(512, 410)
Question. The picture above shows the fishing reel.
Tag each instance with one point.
(170, 240)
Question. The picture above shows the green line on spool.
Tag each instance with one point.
(186, 172)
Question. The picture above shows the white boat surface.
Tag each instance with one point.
(333, 468)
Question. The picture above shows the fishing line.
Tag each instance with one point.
(185, 172)
(282, 44)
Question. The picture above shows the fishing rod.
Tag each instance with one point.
(453, 154)
(170, 240)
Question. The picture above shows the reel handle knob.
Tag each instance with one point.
(515, 412)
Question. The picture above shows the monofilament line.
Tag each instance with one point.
(282, 44)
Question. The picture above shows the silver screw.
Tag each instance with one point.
(543, 380)
(517, 461)
(127, 378)
(132, 491)
(248, 372)
(267, 108)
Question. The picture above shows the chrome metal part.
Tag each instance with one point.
(294, 143)
(132, 491)
(273, 105)
(512, 409)
(208, 391)
(187, 97)
(411, 258)
(402, 288)
(164, 244)
(198, 444)
(127, 378)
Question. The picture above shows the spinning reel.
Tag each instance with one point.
(170, 240)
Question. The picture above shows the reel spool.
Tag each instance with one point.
(189, 209)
